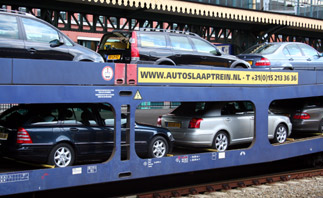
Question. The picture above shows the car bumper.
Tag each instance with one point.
(38, 154)
(306, 126)
(194, 138)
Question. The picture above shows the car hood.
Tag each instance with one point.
(86, 53)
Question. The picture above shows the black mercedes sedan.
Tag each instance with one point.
(65, 134)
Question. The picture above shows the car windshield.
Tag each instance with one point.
(266, 48)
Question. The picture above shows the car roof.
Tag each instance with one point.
(16, 13)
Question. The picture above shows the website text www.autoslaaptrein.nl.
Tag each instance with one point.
(199, 76)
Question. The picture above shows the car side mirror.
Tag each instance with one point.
(56, 42)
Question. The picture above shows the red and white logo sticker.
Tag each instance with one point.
(107, 73)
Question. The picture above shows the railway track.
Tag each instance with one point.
(232, 184)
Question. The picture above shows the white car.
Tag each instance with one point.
(220, 124)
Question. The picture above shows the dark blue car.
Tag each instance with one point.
(62, 134)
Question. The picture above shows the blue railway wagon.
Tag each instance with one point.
(39, 81)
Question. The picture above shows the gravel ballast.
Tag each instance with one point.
(301, 188)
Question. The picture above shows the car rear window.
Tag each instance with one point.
(115, 40)
(262, 49)
(153, 40)
(8, 27)
(30, 115)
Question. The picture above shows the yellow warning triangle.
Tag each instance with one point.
(137, 96)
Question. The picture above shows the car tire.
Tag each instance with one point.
(280, 134)
(158, 147)
(221, 141)
(61, 155)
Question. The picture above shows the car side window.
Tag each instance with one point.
(153, 40)
(85, 116)
(202, 46)
(43, 116)
(180, 43)
(229, 109)
(39, 32)
(8, 27)
(106, 115)
(66, 116)
(286, 52)
(294, 50)
(308, 50)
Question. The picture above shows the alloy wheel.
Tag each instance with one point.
(62, 157)
(221, 142)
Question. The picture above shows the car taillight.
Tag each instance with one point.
(134, 46)
(159, 122)
(302, 116)
(262, 62)
(195, 123)
(23, 137)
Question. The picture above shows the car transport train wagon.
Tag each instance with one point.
(124, 87)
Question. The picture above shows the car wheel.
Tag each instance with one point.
(61, 155)
(280, 135)
(158, 147)
(221, 141)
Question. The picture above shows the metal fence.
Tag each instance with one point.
(4, 107)
(307, 8)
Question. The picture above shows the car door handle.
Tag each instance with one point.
(309, 59)
(32, 50)
(291, 59)
(74, 129)
(252, 118)
(203, 57)
(228, 119)
(178, 55)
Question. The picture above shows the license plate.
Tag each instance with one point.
(3, 136)
(113, 57)
(250, 62)
(174, 124)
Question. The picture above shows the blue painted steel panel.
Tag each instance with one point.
(59, 72)
(319, 75)
(6, 70)
(115, 169)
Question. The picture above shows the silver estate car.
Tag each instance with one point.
(220, 124)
